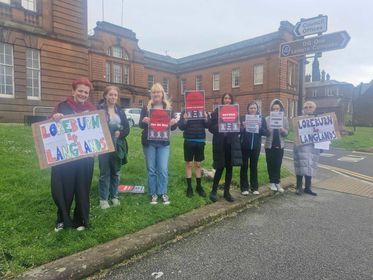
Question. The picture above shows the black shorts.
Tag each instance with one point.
(194, 150)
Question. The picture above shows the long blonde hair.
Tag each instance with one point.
(166, 103)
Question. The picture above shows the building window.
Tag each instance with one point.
(314, 93)
(118, 52)
(216, 81)
(117, 73)
(33, 73)
(29, 5)
(235, 78)
(150, 81)
(5, 1)
(107, 72)
(183, 86)
(141, 103)
(126, 74)
(165, 84)
(291, 69)
(6, 71)
(258, 74)
(199, 82)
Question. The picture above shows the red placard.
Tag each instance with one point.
(195, 104)
(229, 118)
(159, 126)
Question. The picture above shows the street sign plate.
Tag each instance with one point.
(311, 26)
(323, 43)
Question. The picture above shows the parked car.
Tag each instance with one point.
(133, 116)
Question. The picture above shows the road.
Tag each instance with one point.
(287, 237)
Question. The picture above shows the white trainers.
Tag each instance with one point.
(245, 193)
(154, 199)
(59, 227)
(279, 188)
(81, 228)
(115, 202)
(165, 199)
(273, 187)
(256, 192)
(104, 204)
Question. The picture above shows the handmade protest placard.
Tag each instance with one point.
(159, 126)
(71, 138)
(229, 118)
(131, 189)
(195, 104)
(276, 120)
(316, 129)
(252, 123)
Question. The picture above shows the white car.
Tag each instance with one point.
(133, 116)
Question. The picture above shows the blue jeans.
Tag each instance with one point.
(109, 176)
(156, 156)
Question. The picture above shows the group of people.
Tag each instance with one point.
(73, 179)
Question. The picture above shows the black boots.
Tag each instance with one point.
(200, 191)
(307, 188)
(189, 191)
(227, 194)
(309, 191)
(299, 189)
(214, 193)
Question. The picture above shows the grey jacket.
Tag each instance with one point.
(269, 138)
(306, 158)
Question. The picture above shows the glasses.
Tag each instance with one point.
(307, 107)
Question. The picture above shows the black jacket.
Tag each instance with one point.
(144, 126)
(253, 141)
(193, 129)
(218, 144)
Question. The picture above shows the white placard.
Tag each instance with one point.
(276, 120)
(252, 123)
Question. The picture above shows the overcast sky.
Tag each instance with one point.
(185, 27)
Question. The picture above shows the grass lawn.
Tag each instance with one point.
(28, 212)
(362, 139)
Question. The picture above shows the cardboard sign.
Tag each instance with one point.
(71, 138)
(276, 120)
(316, 129)
(195, 104)
(159, 126)
(229, 118)
(131, 189)
(252, 123)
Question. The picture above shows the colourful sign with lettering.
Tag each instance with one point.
(72, 138)
(229, 118)
(195, 104)
(159, 126)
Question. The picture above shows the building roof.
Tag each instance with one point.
(325, 83)
(115, 29)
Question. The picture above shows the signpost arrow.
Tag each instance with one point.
(323, 43)
(311, 26)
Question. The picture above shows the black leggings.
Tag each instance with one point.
(228, 177)
(274, 160)
(307, 181)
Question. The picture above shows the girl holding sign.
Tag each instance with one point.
(306, 157)
(275, 143)
(226, 152)
(111, 163)
(254, 127)
(157, 151)
(73, 179)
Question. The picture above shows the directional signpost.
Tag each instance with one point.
(323, 43)
(312, 45)
(311, 26)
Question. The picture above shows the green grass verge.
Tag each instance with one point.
(362, 139)
(28, 212)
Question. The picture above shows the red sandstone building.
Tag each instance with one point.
(44, 45)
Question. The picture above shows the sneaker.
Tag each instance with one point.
(279, 188)
(201, 191)
(273, 187)
(154, 199)
(81, 228)
(104, 204)
(165, 199)
(245, 193)
(115, 202)
(59, 227)
(256, 192)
